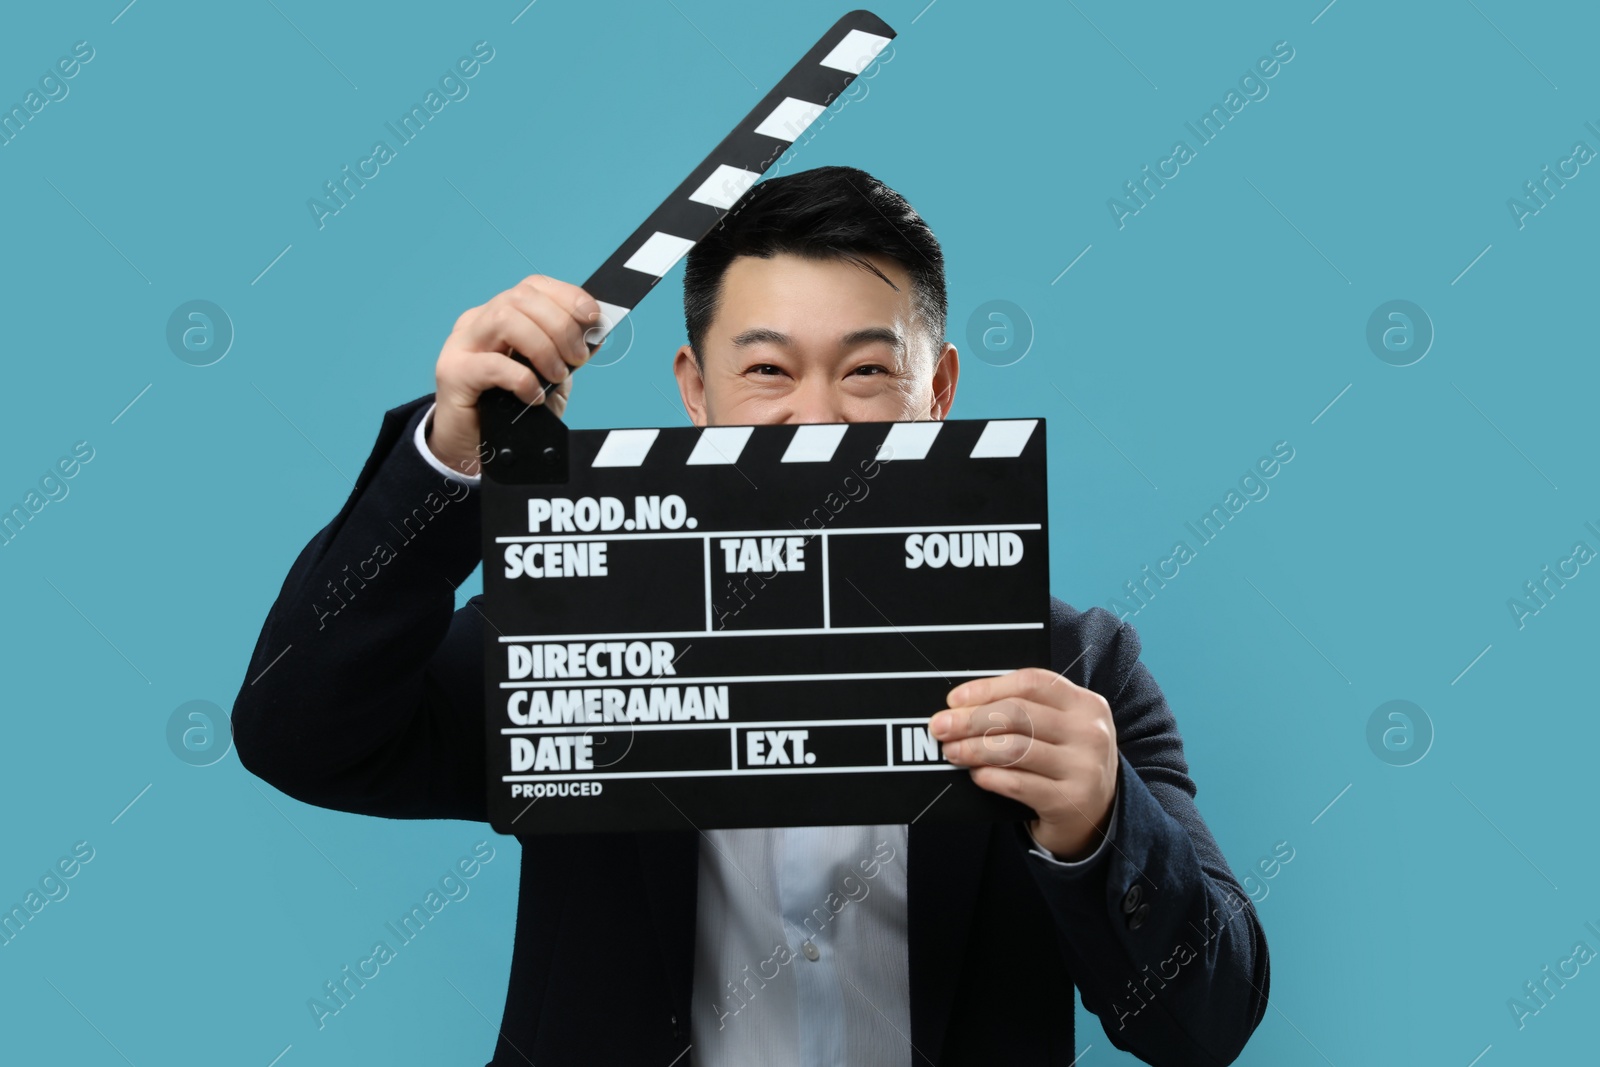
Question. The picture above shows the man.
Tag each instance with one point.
(820, 298)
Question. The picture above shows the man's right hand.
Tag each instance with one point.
(542, 319)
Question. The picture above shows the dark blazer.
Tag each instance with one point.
(365, 693)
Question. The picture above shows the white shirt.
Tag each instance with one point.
(800, 936)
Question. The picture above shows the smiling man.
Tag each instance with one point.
(821, 298)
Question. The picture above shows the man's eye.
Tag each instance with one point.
(765, 369)
(871, 368)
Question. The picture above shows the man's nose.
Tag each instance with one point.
(816, 403)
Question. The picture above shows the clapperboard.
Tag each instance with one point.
(748, 625)
(751, 626)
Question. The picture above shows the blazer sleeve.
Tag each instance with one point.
(365, 689)
(1163, 943)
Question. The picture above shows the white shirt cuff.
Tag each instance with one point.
(1044, 853)
(433, 460)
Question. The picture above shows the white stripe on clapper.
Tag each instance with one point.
(789, 119)
(1003, 438)
(852, 54)
(719, 444)
(814, 442)
(658, 254)
(726, 185)
(610, 316)
(625, 448)
(909, 440)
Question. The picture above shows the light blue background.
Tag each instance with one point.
(1223, 318)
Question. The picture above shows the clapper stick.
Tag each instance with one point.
(535, 452)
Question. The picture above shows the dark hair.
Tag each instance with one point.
(822, 213)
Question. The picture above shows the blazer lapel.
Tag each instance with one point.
(943, 870)
(669, 864)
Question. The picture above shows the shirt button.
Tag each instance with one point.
(1130, 903)
(811, 952)
(1138, 917)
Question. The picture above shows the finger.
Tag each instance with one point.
(1001, 749)
(1010, 715)
(1041, 793)
(1023, 786)
(479, 371)
(556, 398)
(570, 297)
(504, 327)
(561, 325)
(1030, 682)
(1044, 795)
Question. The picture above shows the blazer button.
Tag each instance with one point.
(1138, 917)
(1130, 902)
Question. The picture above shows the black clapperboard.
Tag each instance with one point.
(743, 626)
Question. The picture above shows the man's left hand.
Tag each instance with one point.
(1038, 738)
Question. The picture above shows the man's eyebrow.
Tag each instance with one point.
(762, 335)
(870, 334)
(765, 335)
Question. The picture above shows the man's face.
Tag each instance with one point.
(815, 340)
